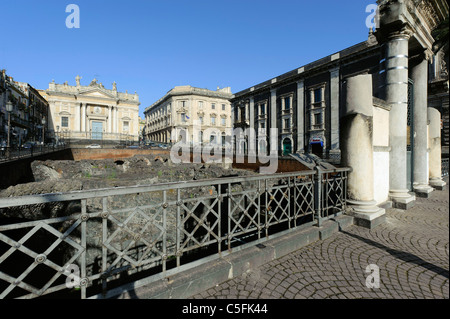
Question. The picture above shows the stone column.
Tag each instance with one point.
(83, 117)
(396, 94)
(110, 118)
(115, 116)
(300, 117)
(273, 114)
(434, 117)
(253, 130)
(78, 118)
(334, 105)
(419, 75)
(357, 150)
(247, 111)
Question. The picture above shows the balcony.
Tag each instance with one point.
(317, 127)
(287, 111)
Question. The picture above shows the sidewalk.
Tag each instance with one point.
(411, 250)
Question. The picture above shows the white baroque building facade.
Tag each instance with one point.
(204, 114)
(92, 112)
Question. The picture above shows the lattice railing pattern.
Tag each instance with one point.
(147, 230)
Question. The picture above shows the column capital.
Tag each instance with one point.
(428, 55)
(387, 34)
(404, 33)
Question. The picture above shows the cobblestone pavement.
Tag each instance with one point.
(411, 250)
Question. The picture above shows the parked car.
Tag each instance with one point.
(3, 148)
(133, 146)
(28, 145)
(94, 146)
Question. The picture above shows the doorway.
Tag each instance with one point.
(317, 148)
(97, 130)
(287, 146)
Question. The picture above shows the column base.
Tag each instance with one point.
(366, 214)
(422, 190)
(438, 184)
(401, 199)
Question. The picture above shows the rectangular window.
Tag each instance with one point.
(200, 105)
(223, 107)
(64, 121)
(213, 120)
(318, 119)
(213, 106)
(201, 119)
(318, 95)
(287, 103)
(126, 126)
(262, 109)
(287, 123)
(223, 121)
(183, 117)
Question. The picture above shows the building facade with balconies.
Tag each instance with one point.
(204, 115)
(29, 113)
(303, 105)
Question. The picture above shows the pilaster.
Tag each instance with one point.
(334, 106)
(300, 116)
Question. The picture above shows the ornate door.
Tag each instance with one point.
(97, 130)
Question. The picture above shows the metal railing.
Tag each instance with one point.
(15, 153)
(444, 167)
(82, 243)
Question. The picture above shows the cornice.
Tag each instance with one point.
(326, 64)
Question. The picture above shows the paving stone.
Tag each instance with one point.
(411, 250)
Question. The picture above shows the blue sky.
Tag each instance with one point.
(150, 46)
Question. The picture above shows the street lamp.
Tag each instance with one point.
(9, 108)
(43, 130)
(57, 135)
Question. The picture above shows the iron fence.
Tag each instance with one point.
(15, 153)
(85, 243)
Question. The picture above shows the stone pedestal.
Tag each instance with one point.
(434, 117)
(357, 150)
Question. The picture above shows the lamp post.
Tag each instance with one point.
(9, 108)
(57, 136)
(43, 130)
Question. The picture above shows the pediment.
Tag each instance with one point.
(97, 93)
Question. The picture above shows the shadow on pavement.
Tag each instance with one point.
(408, 257)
